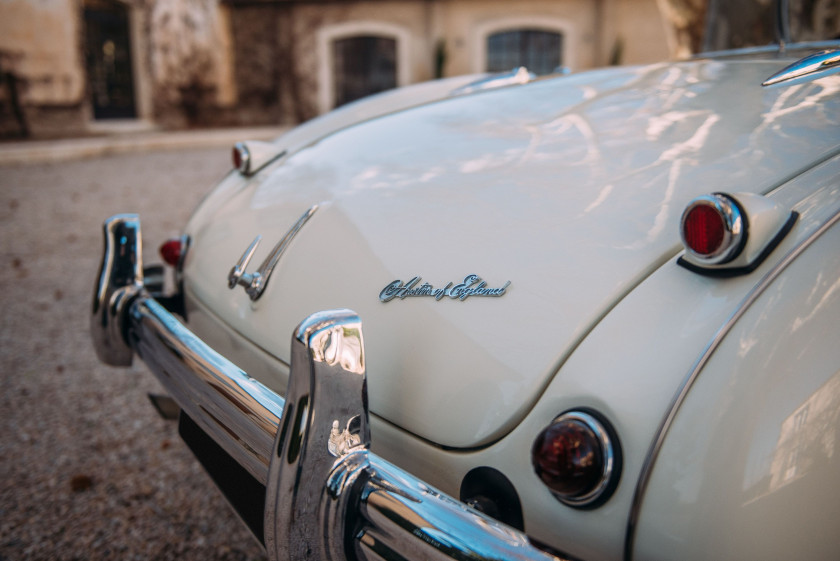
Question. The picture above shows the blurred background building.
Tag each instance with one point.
(71, 67)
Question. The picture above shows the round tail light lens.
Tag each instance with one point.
(704, 230)
(170, 251)
(578, 459)
(713, 229)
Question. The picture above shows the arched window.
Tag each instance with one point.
(358, 58)
(363, 65)
(539, 50)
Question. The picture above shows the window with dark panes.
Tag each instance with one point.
(538, 50)
(363, 65)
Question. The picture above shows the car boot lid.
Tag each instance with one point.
(480, 240)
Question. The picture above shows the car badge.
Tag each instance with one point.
(256, 282)
(472, 285)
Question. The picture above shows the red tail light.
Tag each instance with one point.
(170, 251)
(713, 229)
(577, 459)
(704, 230)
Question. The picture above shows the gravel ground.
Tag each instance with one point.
(87, 468)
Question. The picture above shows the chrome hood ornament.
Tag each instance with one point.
(256, 282)
(472, 285)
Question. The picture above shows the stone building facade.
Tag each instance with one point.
(72, 66)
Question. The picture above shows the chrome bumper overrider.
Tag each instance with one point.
(327, 496)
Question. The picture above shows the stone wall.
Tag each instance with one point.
(42, 82)
(448, 37)
(181, 54)
(261, 50)
(248, 62)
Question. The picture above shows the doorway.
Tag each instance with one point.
(108, 59)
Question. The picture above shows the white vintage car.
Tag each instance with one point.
(601, 318)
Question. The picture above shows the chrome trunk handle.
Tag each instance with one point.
(256, 282)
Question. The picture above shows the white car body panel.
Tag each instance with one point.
(371, 107)
(743, 471)
(572, 189)
(597, 167)
(632, 384)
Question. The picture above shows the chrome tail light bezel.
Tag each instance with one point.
(611, 462)
(754, 225)
(250, 156)
(241, 158)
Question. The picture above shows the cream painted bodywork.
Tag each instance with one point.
(569, 188)
(750, 468)
(372, 107)
(632, 384)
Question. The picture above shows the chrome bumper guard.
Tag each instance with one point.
(327, 496)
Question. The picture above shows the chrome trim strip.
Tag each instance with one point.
(812, 67)
(327, 496)
(519, 75)
(694, 372)
(262, 275)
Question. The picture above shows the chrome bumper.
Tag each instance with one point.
(326, 495)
